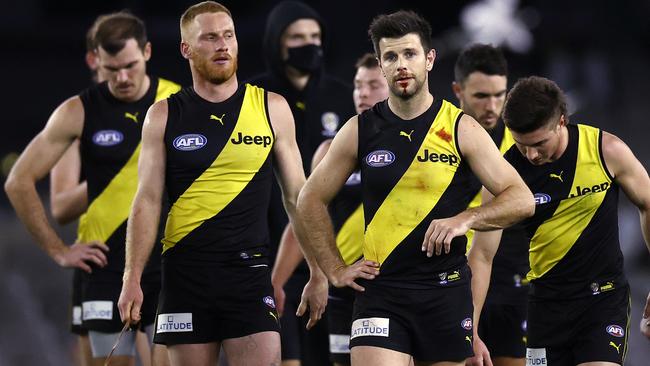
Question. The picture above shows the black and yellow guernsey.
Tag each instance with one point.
(347, 217)
(110, 147)
(508, 284)
(218, 178)
(411, 173)
(574, 247)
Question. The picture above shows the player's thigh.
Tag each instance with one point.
(508, 361)
(256, 349)
(198, 354)
(376, 356)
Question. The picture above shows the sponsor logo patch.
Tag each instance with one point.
(615, 330)
(190, 141)
(174, 323)
(108, 137)
(97, 310)
(380, 158)
(581, 191)
(76, 315)
(374, 327)
(542, 198)
(536, 357)
(433, 157)
(339, 343)
(250, 140)
(466, 323)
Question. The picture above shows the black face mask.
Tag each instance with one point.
(307, 58)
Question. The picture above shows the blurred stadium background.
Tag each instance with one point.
(597, 51)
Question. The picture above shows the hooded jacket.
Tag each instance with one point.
(319, 110)
(325, 103)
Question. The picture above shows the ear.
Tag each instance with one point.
(562, 121)
(456, 88)
(91, 60)
(380, 67)
(431, 56)
(147, 51)
(186, 50)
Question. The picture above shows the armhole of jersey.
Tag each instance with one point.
(83, 127)
(359, 165)
(266, 112)
(603, 163)
(457, 145)
(170, 101)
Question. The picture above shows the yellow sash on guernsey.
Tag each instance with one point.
(417, 192)
(557, 235)
(227, 176)
(350, 237)
(111, 208)
(506, 144)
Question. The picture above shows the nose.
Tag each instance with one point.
(492, 104)
(532, 153)
(122, 76)
(221, 45)
(364, 91)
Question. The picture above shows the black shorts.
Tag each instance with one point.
(213, 302)
(432, 325)
(340, 305)
(76, 326)
(503, 329)
(570, 332)
(99, 305)
(298, 343)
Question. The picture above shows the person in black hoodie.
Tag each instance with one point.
(293, 49)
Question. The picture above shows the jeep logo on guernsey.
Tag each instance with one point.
(615, 330)
(174, 323)
(380, 158)
(581, 191)
(375, 327)
(189, 142)
(249, 140)
(435, 158)
(542, 198)
(107, 137)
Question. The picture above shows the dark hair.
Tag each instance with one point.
(113, 30)
(479, 57)
(368, 60)
(399, 24)
(532, 103)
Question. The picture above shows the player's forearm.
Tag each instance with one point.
(142, 229)
(644, 215)
(481, 266)
(30, 210)
(68, 205)
(512, 205)
(316, 235)
(288, 258)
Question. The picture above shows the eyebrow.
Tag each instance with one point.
(117, 67)
(484, 94)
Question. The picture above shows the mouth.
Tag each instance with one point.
(221, 59)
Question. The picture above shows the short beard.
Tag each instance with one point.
(399, 92)
(215, 75)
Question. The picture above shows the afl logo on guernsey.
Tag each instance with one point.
(380, 158)
(190, 141)
(542, 198)
(107, 137)
(466, 324)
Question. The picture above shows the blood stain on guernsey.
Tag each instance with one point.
(443, 134)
